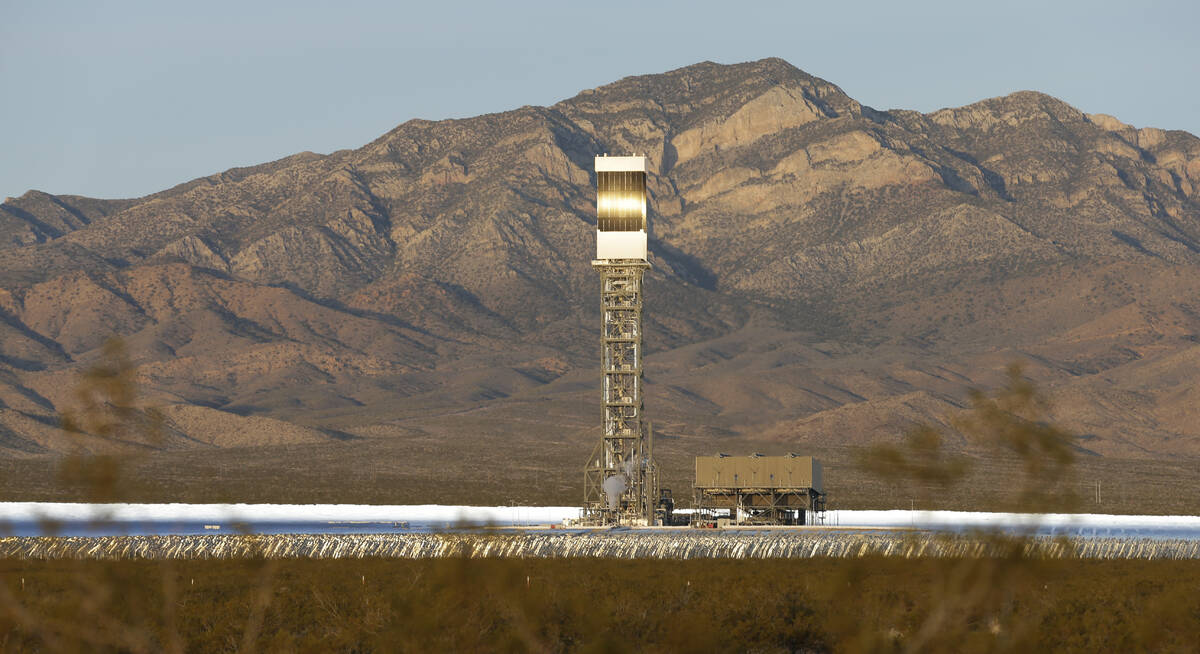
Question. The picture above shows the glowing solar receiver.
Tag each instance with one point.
(621, 208)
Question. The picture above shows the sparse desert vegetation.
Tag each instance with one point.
(807, 605)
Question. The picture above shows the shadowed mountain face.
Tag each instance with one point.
(823, 273)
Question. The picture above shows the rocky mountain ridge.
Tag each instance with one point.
(823, 272)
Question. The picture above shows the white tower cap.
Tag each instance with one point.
(621, 165)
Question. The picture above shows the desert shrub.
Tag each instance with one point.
(590, 605)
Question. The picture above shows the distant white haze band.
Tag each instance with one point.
(513, 515)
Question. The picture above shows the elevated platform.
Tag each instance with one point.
(758, 490)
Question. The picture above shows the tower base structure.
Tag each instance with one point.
(620, 480)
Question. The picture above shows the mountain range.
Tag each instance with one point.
(824, 273)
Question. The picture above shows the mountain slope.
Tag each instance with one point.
(824, 272)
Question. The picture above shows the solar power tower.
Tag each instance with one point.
(620, 481)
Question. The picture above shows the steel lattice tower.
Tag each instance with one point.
(620, 480)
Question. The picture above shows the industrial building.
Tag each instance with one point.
(757, 489)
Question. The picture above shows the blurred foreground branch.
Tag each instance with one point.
(107, 424)
(1011, 422)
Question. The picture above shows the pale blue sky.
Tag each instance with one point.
(121, 99)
